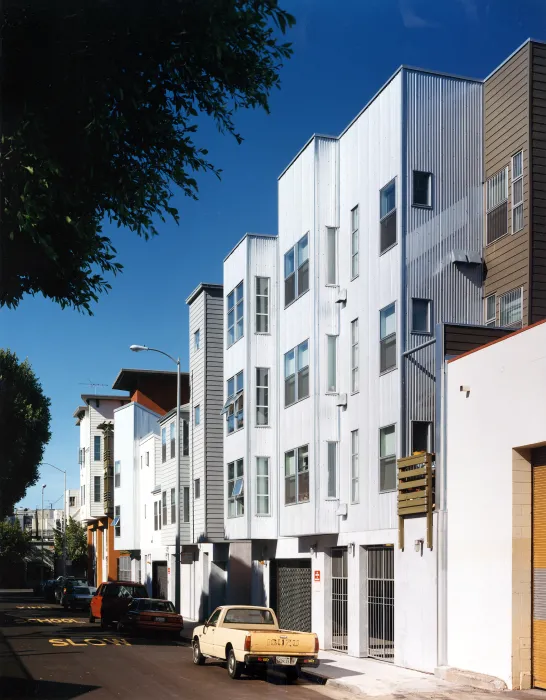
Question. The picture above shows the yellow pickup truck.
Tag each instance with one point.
(247, 637)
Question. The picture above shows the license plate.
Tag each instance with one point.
(284, 660)
(159, 619)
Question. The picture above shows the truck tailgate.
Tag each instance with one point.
(288, 643)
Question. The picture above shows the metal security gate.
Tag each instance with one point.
(160, 580)
(381, 603)
(290, 589)
(339, 599)
(539, 568)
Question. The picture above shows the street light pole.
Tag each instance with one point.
(65, 513)
(142, 348)
(42, 569)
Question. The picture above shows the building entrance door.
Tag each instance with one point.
(339, 599)
(381, 603)
(160, 580)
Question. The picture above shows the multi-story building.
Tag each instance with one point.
(72, 504)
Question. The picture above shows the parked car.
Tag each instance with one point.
(78, 597)
(151, 615)
(48, 590)
(67, 587)
(60, 584)
(112, 599)
(248, 637)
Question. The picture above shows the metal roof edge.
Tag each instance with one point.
(302, 149)
(527, 41)
(249, 235)
(201, 287)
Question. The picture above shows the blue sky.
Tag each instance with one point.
(344, 51)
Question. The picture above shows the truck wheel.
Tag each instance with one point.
(104, 623)
(91, 618)
(234, 668)
(198, 658)
(292, 674)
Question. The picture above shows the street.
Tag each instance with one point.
(47, 652)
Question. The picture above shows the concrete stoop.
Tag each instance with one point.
(461, 677)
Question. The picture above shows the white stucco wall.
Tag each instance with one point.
(504, 409)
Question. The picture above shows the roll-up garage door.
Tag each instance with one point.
(539, 568)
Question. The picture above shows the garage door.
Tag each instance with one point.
(290, 589)
(539, 568)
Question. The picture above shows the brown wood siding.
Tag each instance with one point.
(506, 131)
(459, 339)
(538, 184)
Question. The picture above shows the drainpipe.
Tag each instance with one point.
(402, 307)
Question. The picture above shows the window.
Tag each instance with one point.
(517, 192)
(197, 339)
(117, 474)
(497, 206)
(163, 444)
(186, 504)
(387, 459)
(116, 522)
(159, 515)
(234, 406)
(422, 189)
(262, 396)
(354, 243)
(82, 489)
(147, 459)
(355, 476)
(296, 374)
(156, 509)
(235, 309)
(331, 256)
(96, 489)
(296, 475)
(262, 304)
(511, 308)
(332, 469)
(197, 414)
(262, 485)
(491, 310)
(387, 334)
(235, 489)
(71, 501)
(332, 363)
(354, 355)
(185, 438)
(173, 440)
(96, 450)
(296, 270)
(124, 568)
(387, 217)
(81, 455)
(420, 315)
(421, 436)
(213, 619)
(164, 507)
(173, 506)
(197, 488)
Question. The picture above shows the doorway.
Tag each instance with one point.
(381, 603)
(339, 598)
(160, 580)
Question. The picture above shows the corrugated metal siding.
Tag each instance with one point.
(443, 137)
(538, 164)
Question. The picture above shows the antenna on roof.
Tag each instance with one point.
(92, 384)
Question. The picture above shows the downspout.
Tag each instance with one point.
(314, 255)
(441, 498)
(402, 311)
(246, 400)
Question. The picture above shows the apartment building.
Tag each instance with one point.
(72, 504)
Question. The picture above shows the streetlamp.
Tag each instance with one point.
(42, 569)
(65, 514)
(144, 348)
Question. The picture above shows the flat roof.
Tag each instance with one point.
(498, 340)
(250, 235)
(126, 377)
(203, 288)
(104, 397)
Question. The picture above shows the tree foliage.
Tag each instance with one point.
(24, 426)
(76, 542)
(15, 544)
(101, 105)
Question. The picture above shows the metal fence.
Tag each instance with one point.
(381, 603)
(339, 599)
(291, 594)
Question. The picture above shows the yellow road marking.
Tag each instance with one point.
(54, 620)
(89, 641)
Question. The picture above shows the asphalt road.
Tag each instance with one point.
(46, 652)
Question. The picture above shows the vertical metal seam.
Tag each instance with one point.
(530, 141)
(403, 277)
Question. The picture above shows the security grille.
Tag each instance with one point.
(339, 599)
(291, 594)
(381, 603)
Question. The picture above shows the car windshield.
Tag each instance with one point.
(128, 591)
(82, 590)
(157, 605)
(248, 616)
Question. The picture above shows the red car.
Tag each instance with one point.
(151, 615)
(112, 599)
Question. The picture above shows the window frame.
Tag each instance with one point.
(418, 205)
(296, 475)
(388, 337)
(197, 340)
(355, 356)
(186, 505)
(383, 458)
(172, 438)
(355, 236)
(430, 435)
(332, 470)
(515, 181)
(96, 480)
(239, 499)
(331, 251)
(355, 467)
(490, 320)
(234, 407)
(265, 388)
(515, 324)
(429, 316)
(185, 437)
(117, 525)
(237, 305)
(331, 346)
(297, 372)
(117, 474)
(298, 266)
(164, 508)
(197, 488)
(155, 516)
(197, 414)
(263, 478)
(163, 444)
(489, 209)
(261, 313)
(173, 506)
(387, 215)
(97, 448)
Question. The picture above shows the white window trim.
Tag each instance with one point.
(489, 209)
(355, 254)
(329, 390)
(332, 230)
(355, 461)
(232, 401)
(386, 216)
(296, 474)
(197, 340)
(235, 307)
(335, 453)
(297, 267)
(395, 366)
(382, 457)
(197, 411)
(267, 478)
(355, 356)
(516, 324)
(258, 405)
(241, 496)
(515, 180)
(297, 371)
(267, 314)
(490, 320)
